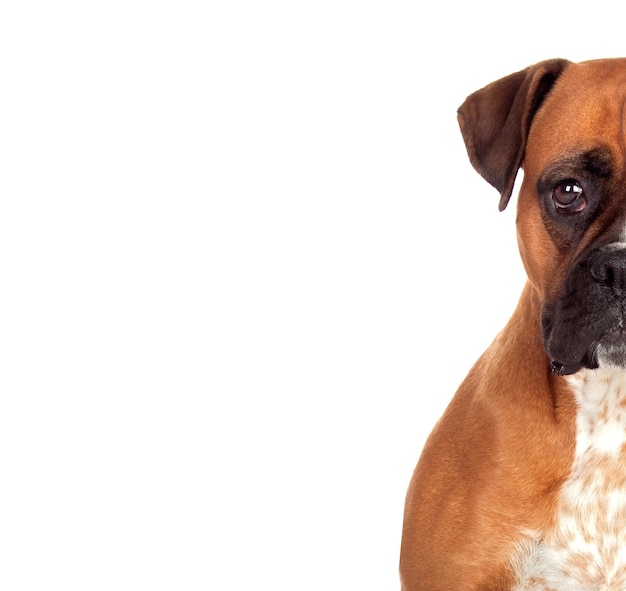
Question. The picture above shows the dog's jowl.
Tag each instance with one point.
(522, 484)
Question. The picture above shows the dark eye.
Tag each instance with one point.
(568, 197)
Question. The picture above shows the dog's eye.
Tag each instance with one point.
(568, 197)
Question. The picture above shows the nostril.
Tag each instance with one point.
(602, 273)
(607, 267)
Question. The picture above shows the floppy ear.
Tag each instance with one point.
(495, 122)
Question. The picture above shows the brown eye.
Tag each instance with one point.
(568, 197)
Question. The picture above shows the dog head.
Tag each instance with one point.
(564, 124)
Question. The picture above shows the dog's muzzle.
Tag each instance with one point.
(585, 327)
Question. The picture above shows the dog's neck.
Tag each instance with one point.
(600, 395)
(583, 547)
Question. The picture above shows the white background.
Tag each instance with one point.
(244, 264)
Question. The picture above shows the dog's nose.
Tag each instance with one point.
(609, 268)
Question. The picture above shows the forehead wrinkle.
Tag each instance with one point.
(622, 117)
(597, 162)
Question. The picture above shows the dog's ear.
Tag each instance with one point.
(496, 119)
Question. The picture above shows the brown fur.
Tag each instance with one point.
(491, 466)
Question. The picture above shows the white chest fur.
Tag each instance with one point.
(586, 549)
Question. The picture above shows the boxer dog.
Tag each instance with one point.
(521, 486)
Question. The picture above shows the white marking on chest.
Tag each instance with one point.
(586, 548)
